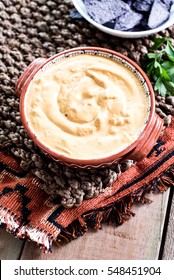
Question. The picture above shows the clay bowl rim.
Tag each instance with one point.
(86, 162)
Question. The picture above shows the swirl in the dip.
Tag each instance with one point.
(86, 106)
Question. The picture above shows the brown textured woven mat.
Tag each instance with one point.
(30, 29)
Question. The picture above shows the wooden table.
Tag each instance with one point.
(148, 235)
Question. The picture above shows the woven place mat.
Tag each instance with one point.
(30, 29)
(27, 211)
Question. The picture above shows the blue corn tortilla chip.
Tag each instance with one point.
(128, 21)
(75, 14)
(102, 11)
(110, 24)
(129, 2)
(167, 3)
(158, 14)
(129, 15)
(143, 6)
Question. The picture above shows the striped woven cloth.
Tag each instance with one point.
(28, 212)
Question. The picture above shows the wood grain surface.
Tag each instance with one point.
(10, 247)
(168, 253)
(139, 238)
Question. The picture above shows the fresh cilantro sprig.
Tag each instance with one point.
(159, 66)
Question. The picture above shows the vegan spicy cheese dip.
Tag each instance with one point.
(86, 106)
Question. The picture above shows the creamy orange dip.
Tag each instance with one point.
(86, 106)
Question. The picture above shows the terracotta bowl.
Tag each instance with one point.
(136, 151)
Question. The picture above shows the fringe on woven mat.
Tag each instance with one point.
(13, 225)
(118, 212)
(115, 213)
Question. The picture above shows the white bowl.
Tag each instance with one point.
(80, 7)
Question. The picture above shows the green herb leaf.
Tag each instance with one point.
(150, 67)
(159, 66)
(169, 67)
(164, 74)
(160, 87)
(169, 51)
(158, 42)
(151, 55)
(170, 87)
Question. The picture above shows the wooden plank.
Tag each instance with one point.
(139, 238)
(168, 253)
(10, 247)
